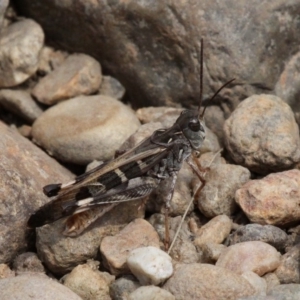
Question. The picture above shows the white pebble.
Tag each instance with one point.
(150, 265)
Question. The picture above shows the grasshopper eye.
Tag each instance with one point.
(194, 126)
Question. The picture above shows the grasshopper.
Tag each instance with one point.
(131, 176)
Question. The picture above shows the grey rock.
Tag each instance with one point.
(33, 286)
(123, 286)
(111, 87)
(20, 47)
(150, 293)
(286, 292)
(28, 262)
(78, 74)
(85, 128)
(20, 103)
(262, 135)
(256, 232)
(3, 7)
(24, 170)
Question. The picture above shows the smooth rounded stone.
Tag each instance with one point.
(6, 272)
(28, 262)
(211, 252)
(89, 283)
(255, 256)
(20, 47)
(25, 131)
(85, 128)
(115, 249)
(217, 196)
(61, 253)
(286, 292)
(79, 74)
(33, 286)
(152, 113)
(123, 286)
(111, 87)
(289, 268)
(24, 170)
(255, 232)
(288, 84)
(214, 231)
(262, 134)
(206, 282)
(150, 265)
(3, 8)
(271, 280)
(150, 293)
(273, 200)
(259, 284)
(20, 103)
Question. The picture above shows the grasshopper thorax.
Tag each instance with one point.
(192, 128)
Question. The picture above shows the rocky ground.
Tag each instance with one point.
(61, 112)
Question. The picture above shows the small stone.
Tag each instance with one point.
(289, 268)
(274, 199)
(211, 252)
(89, 283)
(25, 131)
(33, 286)
(207, 282)
(150, 293)
(262, 134)
(78, 75)
(150, 265)
(271, 280)
(115, 249)
(257, 257)
(6, 272)
(217, 196)
(20, 47)
(85, 128)
(265, 233)
(20, 103)
(111, 87)
(122, 287)
(285, 292)
(215, 231)
(151, 113)
(28, 262)
(257, 282)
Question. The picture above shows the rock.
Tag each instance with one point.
(20, 47)
(84, 128)
(115, 249)
(265, 233)
(217, 196)
(25, 131)
(123, 286)
(262, 135)
(88, 283)
(28, 262)
(111, 87)
(6, 272)
(150, 293)
(215, 231)
(211, 252)
(289, 268)
(162, 61)
(152, 114)
(61, 253)
(257, 257)
(24, 170)
(150, 265)
(287, 86)
(79, 74)
(285, 292)
(257, 282)
(271, 280)
(272, 200)
(3, 7)
(33, 286)
(20, 103)
(206, 282)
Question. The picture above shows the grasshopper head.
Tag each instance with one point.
(192, 128)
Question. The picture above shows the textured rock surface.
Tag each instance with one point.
(150, 293)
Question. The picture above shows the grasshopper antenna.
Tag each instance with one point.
(201, 75)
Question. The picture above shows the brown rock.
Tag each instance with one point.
(20, 47)
(262, 134)
(24, 170)
(85, 128)
(88, 283)
(115, 249)
(5, 271)
(150, 293)
(78, 75)
(28, 262)
(257, 257)
(207, 282)
(272, 200)
(3, 7)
